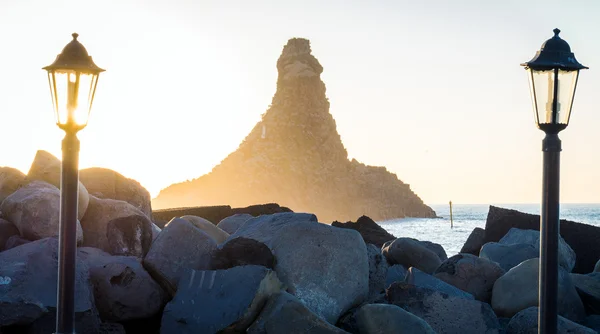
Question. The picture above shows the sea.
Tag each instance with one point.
(468, 216)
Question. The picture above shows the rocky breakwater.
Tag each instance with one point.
(295, 157)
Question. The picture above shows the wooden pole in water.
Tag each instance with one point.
(451, 221)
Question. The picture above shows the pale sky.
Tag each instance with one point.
(432, 90)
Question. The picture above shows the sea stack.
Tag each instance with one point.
(295, 157)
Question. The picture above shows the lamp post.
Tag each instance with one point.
(73, 72)
(553, 74)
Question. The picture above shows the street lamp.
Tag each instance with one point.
(553, 74)
(72, 77)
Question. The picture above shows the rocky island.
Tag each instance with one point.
(295, 157)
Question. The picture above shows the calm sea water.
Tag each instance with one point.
(467, 217)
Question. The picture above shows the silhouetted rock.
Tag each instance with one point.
(35, 210)
(223, 300)
(444, 313)
(106, 183)
(284, 313)
(411, 253)
(11, 179)
(582, 238)
(386, 318)
(7, 230)
(508, 256)
(588, 288)
(526, 322)
(418, 278)
(471, 274)
(294, 156)
(179, 246)
(215, 213)
(232, 223)
(378, 268)
(218, 235)
(47, 168)
(518, 289)
(240, 252)
(371, 232)
(474, 242)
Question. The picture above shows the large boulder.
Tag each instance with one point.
(386, 318)
(179, 246)
(566, 255)
(508, 256)
(471, 274)
(209, 228)
(518, 289)
(10, 180)
(28, 287)
(35, 211)
(325, 267)
(116, 227)
(223, 300)
(47, 168)
(232, 223)
(123, 290)
(526, 322)
(421, 279)
(106, 183)
(7, 230)
(284, 313)
(395, 273)
(371, 232)
(411, 253)
(378, 268)
(15, 241)
(588, 287)
(443, 312)
(593, 322)
(474, 242)
(240, 252)
(582, 238)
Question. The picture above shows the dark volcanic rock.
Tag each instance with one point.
(421, 279)
(444, 313)
(378, 268)
(240, 252)
(526, 322)
(222, 300)
(130, 235)
(474, 242)
(7, 230)
(582, 238)
(508, 256)
(371, 232)
(588, 288)
(386, 318)
(295, 156)
(395, 273)
(411, 253)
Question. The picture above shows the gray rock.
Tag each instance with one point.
(107, 183)
(116, 227)
(436, 248)
(35, 210)
(518, 289)
(588, 288)
(123, 290)
(233, 223)
(378, 268)
(566, 255)
(593, 322)
(471, 274)
(155, 231)
(526, 322)
(508, 256)
(223, 300)
(209, 228)
(284, 313)
(28, 286)
(15, 241)
(10, 180)
(7, 230)
(474, 242)
(411, 253)
(241, 252)
(443, 312)
(386, 318)
(47, 168)
(325, 267)
(179, 246)
(597, 267)
(421, 279)
(395, 273)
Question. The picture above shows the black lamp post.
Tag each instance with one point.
(553, 74)
(73, 72)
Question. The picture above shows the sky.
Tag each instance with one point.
(430, 89)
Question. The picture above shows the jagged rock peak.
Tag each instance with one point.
(296, 60)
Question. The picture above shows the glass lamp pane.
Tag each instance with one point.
(567, 81)
(543, 95)
(73, 93)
